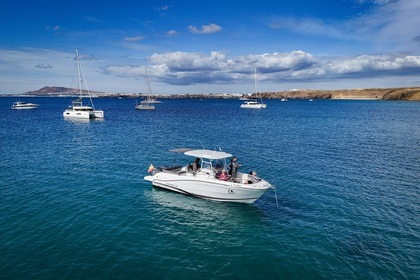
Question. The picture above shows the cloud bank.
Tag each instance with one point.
(184, 68)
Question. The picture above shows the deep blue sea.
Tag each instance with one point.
(74, 205)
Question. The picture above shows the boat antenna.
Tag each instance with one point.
(201, 144)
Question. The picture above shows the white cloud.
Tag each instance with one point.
(30, 69)
(171, 33)
(186, 62)
(391, 26)
(195, 68)
(133, 39)
(163, 8)
(205, 29)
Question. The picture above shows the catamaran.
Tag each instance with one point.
(204, 180)
(253, 103)
(77, 109)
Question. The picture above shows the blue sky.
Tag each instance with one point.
(210, 46)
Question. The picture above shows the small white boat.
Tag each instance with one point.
(19, 105)
(204, 183)
(253, 103)
(77, 109)
(154, 101)
(144, 105)
(284, 99)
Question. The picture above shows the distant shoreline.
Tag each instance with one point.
(407, 93)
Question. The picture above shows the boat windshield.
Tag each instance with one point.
(216, 165)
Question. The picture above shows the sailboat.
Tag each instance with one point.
(147, 104)
(77, 109)
(253, 103)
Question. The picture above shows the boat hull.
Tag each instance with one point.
(83, 114)
(253, 106)
(24, 106)
(77, 114)
(209, 188)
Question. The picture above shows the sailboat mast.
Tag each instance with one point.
(82, 79)
(148, 85)
(255, 81)
(79, 78)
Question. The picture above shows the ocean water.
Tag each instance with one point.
(74, 204)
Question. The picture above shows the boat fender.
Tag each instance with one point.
(230, 191)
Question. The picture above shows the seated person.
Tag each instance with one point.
(223, 176)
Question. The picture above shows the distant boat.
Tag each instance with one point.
(19, 105)
(154, 101)
(77, 109)
(254, 104)
(147, 104)
(311, 100)
(284, 99)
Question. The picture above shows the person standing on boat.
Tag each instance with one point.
(233, 167)
(196, 165)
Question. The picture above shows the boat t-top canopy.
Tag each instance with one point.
(208, 154)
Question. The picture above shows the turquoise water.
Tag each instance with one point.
(74, 204)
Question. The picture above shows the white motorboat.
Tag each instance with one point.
(253, 103)
(204, 183)
(19, 105)
(77, 109)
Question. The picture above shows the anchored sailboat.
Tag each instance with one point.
(77, 109)
(147, 104)
(253, 103)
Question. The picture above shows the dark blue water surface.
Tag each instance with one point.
(74, 204)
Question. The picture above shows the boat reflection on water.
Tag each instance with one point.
(203, 213)
(79, 121)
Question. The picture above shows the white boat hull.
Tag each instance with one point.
(24, 106)
(253, 106)
(83, 114)
(203, 186)
(145, 107)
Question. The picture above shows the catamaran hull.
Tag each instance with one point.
(83, 114)
(211, 189)
(76, 114)
(253, 106)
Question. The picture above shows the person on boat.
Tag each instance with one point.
(195, 165)
(223, 176)
(233, 168)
